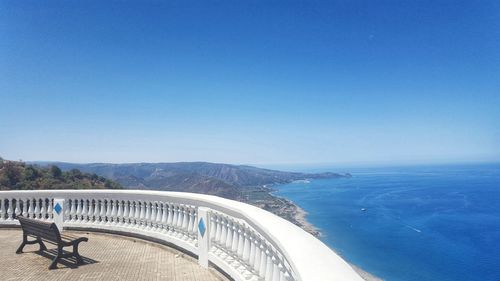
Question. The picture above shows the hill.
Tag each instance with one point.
(210, 178)
(20, 176)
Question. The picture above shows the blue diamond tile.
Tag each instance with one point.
(201, 227)
(58, 208)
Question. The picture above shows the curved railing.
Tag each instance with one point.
(242, 240)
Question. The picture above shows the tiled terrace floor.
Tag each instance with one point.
(107, 257)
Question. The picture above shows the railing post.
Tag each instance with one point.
(58, 213)
(203, 236)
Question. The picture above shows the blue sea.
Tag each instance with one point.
(419, 223)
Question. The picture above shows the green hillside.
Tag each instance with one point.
(21, 176)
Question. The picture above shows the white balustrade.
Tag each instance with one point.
(244, 241)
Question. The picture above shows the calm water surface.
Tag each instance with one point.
(420, 223)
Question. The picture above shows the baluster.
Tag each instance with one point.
(90, 211)
(105, 209)
(281, 270)
(174, 218)
(218, 230)
(170, 217)
(108, 211)
(132, 213)
(195, 229)
(164, 215)
(152, 215)
(147, 218)
(126, 213)
(229, 237)
(159, 213)
(143, 213)
(263, 260)
(85, 211)
(44, 209)
(223, 234)
(112, 214)
(65, 210)
(39, 202)
(246, 244)
(78, 215)
(102, 212)
(95, 215)
(182, 215)
(235, 242)
(159, 216)
(119, 212)
(190, 221)
(129, 217)
(269, 266)
(241, 241)
(185, 217)
(276, 271)
(17, 210)
(137, 213)
(155, 215)
(288, 276)
(36, 212)
(30, 209)
(72, 212)
(2, 209)
(256, 260)
(195, 219)
(50, 210)
(179, 218)
(212, 227)
(9, 210)
(25, 208)
(97, 211)
(251, 257)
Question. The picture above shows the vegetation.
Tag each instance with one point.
(21, 176)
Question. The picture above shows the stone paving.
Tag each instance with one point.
(107, 257)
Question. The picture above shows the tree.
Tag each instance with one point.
(12, 174)
(55, 171)
(76, 173)
(30, 173)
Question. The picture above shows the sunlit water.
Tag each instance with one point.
(420, 223)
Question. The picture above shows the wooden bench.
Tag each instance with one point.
(48, 232)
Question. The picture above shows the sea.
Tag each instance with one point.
(411, 223)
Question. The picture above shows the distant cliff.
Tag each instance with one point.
(210, 178)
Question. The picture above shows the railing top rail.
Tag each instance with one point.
(309, 258)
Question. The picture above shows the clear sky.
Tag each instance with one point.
(257, 82)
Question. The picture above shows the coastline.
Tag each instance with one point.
(287, 209)
(300, 220)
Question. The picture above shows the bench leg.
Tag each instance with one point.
(53, 265)
(25, 240)
(20, 249)
(79, 259)
(42, 245)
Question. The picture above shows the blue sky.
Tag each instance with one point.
(259, 82)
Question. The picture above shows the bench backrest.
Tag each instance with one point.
(44, 230)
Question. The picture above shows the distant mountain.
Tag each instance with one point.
(21, 176)
(210, 178)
